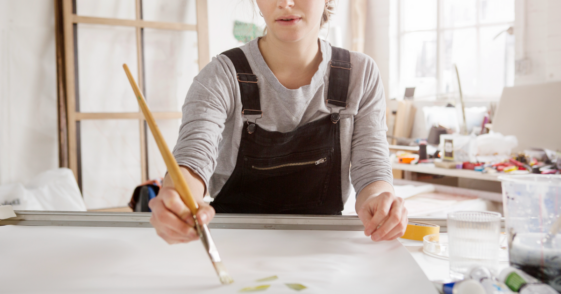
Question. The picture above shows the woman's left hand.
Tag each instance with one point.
(384, 217)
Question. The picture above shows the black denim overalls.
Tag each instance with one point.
(298, 172)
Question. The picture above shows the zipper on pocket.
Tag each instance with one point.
(315, 162)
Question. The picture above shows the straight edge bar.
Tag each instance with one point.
(220, 221)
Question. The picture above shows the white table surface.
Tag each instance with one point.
(135, 260)
(436, 269)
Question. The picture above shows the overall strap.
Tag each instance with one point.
(249, 90)
(339, 80)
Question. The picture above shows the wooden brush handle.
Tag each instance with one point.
(171, 163)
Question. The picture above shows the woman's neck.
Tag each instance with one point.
(294, 64)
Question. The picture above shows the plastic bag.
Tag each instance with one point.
(494, 144)
(51, 190)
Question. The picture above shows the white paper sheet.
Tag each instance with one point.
(135, 260)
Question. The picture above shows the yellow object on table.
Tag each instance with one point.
(417, 230)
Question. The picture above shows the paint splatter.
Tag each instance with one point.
(297, 287)
(256, 288)
(267, 279)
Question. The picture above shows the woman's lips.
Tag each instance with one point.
(288, 20)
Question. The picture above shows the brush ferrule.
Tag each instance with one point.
(204, 235)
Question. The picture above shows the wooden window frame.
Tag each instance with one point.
(69, 115)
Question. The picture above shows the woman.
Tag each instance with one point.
(282, 125)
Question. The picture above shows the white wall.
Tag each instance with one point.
(538, 34)
(380, 39)
(28, 132)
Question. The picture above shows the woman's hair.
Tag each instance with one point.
(327, 12)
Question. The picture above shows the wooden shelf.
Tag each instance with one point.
(431, 169)
(134, 23)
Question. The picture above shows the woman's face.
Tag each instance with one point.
(292, 20)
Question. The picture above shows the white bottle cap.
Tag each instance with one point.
(469, 287)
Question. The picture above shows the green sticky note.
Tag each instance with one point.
(256, 288)
(296, 287)
(267, 279)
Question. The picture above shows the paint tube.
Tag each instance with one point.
(460, 287)
(489, 283)
(519, 281)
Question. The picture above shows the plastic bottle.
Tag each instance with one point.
(489, 283)
(519, 281)
(461, 287)
(423, 150)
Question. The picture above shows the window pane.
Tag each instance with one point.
(183, 11)
(107, 8)
(103, 85)
(110, 161)
(418, 14)
(418, 63)
(497, 10)
(460, 48)
(497, 61)
(459, 13)
(171, 64)
(170, 131)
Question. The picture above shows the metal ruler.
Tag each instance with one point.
(220, 221)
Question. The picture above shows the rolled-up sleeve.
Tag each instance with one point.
(206, 108)
(369, 148)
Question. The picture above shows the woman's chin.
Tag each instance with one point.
(289, 37)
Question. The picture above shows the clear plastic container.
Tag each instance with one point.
(473, 240)
(532, 203)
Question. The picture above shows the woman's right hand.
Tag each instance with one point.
(173, 220)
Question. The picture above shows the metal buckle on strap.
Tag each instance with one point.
(251, 125)
(260, 112)
(335, 116)
(340, 64)
(337, 103)
(247, 74)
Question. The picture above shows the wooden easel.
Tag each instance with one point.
(69, 114)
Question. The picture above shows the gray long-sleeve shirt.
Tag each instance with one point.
(210, 133)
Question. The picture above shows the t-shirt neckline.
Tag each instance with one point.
(317, 79)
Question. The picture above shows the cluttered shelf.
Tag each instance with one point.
(431, 169)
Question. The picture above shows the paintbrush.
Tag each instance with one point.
(180, 183)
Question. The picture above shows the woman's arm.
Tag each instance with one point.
(171, 218)
(206, 108)
(382, 213)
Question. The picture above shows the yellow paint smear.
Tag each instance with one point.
(256, 288)
(267, 279)
(296, 287)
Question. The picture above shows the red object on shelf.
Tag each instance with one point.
(516, 162)
(503, 167)
(470, 165)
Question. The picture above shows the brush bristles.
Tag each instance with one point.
(222, 273)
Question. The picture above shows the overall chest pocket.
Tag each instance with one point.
(297, 180)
